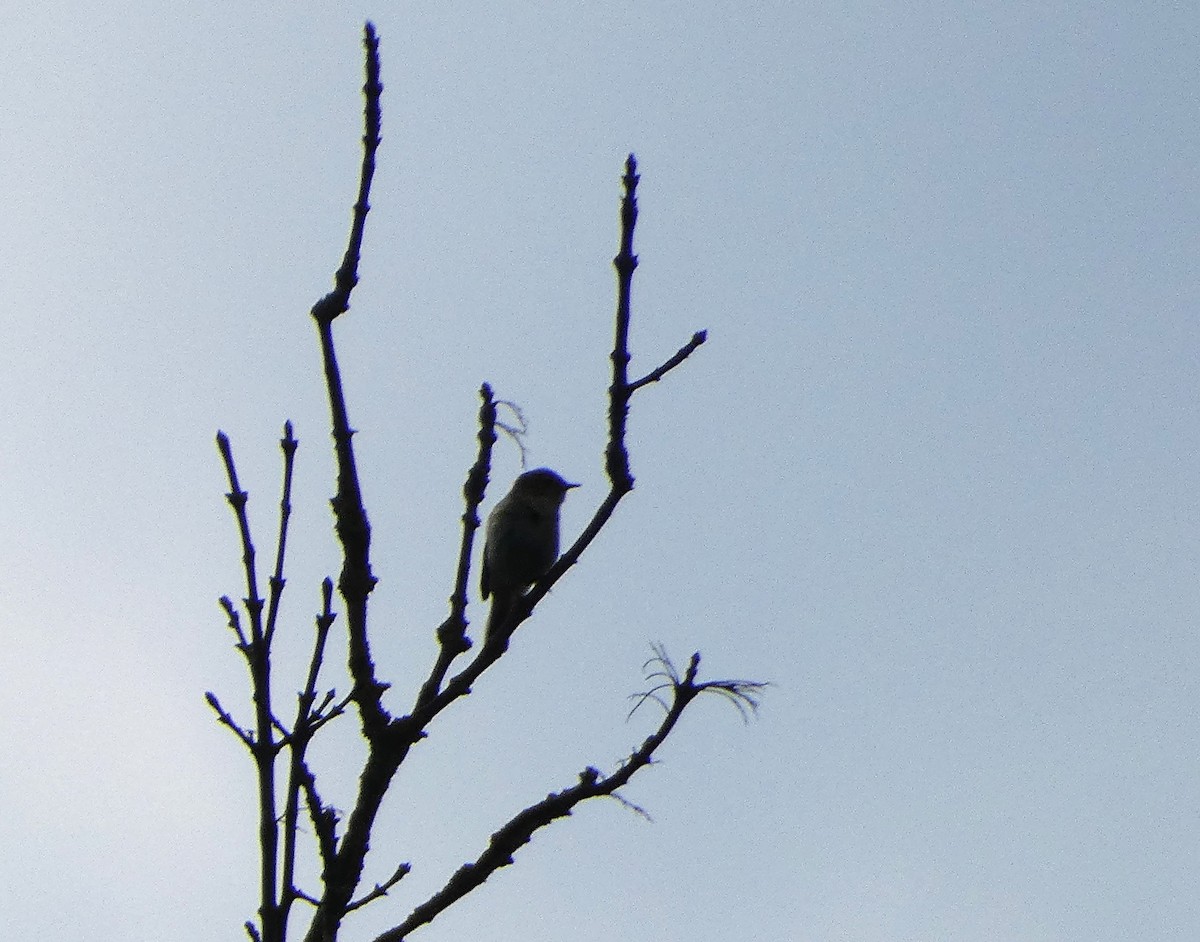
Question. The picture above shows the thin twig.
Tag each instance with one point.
(381, 889)
(235, 623)
(517, 429)
(237, 500)
(682, 354)
(337, 302)
(288, 444)
(246, 737)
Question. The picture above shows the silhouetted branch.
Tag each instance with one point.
(353, 529)
(592, 784)
(452, 634)
(620, 392)
(324, 818)
(262, 742)
(289, 444)
(237, 500)
(337, 302)
(616, 456)
(235, 624)
(300, 777)
(389, 739)
(227, 720)
(343, 868)
(682, 354)
(381, 889)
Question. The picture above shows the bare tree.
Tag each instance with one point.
(286, 783)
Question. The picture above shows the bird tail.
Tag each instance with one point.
(502, 603)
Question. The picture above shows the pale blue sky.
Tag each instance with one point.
(934, 474)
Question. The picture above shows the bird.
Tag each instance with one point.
(521, 541)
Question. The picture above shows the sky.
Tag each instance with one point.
(933, 475)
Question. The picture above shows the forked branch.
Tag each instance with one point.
(342, 846)
(592, 784)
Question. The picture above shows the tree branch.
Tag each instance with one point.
(343, 869)
(682, 354)
(620, 391)
(227, 720)
(520, 829)
(263, 748)
(237, 499)
(452, 633)
(235, 624)
(300, 777)
(337, 302)
(288, 444)
(381, 889)
(353, 529)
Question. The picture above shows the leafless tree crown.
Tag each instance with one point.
(278, 743)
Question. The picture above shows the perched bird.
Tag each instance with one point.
(522, 540)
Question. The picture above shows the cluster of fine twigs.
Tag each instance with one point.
(279, 748)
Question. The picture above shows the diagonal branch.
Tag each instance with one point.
(681, 354)
(235, 624)
(592, 784)
(227, 720)
(323, 817)
(381, 889)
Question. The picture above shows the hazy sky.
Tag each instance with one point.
(934, 475)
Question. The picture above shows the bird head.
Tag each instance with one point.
(542, 485)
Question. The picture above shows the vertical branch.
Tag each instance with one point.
(452, 637)
(237, 500)
(262, 743)
(288, 444)
(299, 775)
(354, 532)
(338, 301)
(616, 457)
(353, 529)
(342, 873)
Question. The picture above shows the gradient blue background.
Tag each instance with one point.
(934, 475)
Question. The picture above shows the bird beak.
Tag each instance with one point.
(569, 486)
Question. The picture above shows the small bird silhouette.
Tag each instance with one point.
(522, 541)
